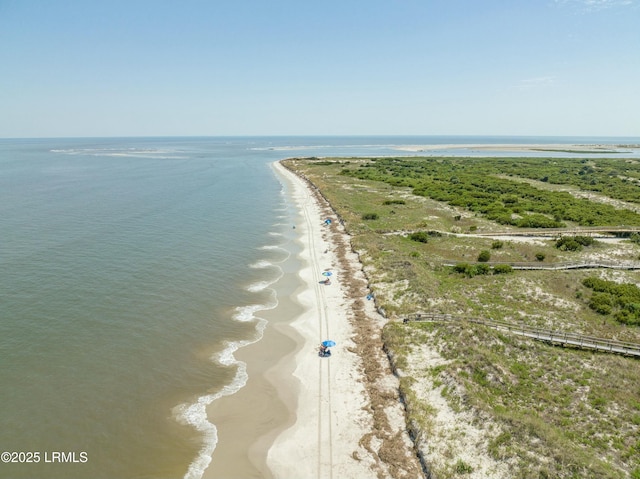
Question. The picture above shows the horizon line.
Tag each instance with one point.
(315, 136)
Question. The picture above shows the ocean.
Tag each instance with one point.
(132, 272)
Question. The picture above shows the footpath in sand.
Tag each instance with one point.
(349, 421)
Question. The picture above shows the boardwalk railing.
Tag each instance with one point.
(555, 266)
(554, 337)
(583, 230)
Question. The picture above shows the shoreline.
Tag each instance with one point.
(342, 425)
(522, 147)
(300, 415)
(329, 416)
(248, 420)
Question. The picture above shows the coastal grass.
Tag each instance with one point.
(548, 411)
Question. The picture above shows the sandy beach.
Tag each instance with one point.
(329, 416)
(334, 433)
(299, 414)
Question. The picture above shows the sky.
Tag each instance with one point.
(95, 68)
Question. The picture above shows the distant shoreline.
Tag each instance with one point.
(557, 147)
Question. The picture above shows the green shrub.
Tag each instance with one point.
(621, 299)
(584, 240)
(394, 202)
(574, 243)
(461, 267)
(601, 303)
(596, 284)
(370, 216)
(420, 236)
(538, 221)
(502, 269)
(484, 256)
(497, 244)
(482, 269)
(566, 243)
(472, 184)
(540, 256)
(472, 270)
(627, 317)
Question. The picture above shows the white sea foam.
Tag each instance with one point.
(261, 264)
(264, 284)
(259, 286)
(270, 246)
(196, 414)
(123, 152)
(247, 313)
(143, 155)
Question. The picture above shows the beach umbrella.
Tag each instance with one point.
(327, 273)
(328, 343)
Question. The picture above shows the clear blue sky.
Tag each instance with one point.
(299, 67)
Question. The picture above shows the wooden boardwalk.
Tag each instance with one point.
(628, 265)
(558, 338)
(602, 231)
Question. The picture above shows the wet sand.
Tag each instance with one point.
(301, 415)
(249, 420)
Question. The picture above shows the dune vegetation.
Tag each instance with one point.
(441, 236)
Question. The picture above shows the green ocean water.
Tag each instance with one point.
(131, 270)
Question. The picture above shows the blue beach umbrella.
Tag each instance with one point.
(327, 273)
(328, 343)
